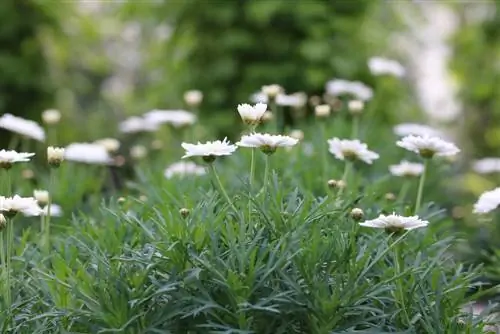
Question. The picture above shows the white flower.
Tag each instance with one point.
(136, 124)
(252, 115)
(41, 196)
(357, 89)
(110, 144)
(486, 165)
(138, 152)
(407, 169)
(13, 205)
(55, 210)
(296, 100)
(7, 158)
(406, 129)
(322, 110)
(55, 155)
(266, 142)
(51, 116)
(176, 118)
(272, 90)
(355, 107)
(346, 149)
(428, 146)
(24, 127)
(193, 97)
(209, 150)
(384, 66)
(297, 134)
(488, 201)
(183, 168)
(395, 222)
(87, 153)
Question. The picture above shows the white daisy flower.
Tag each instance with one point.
(407, 129)
(272, 90)
(110, 144)
(346, 149)
(183, 168)
(7, 158)
(486, 165)
(252, 115)
(176, 118)
(26, 205)
(55, 210)
(428, 146)
(395, 222)
(488, 201)
(51, 116)
(407, 169)
(193, 98)
(55, 155)
(137, 124)
(41, 196)
(322, 110)
(209, 150)
(266, 142)
(24, 127)
(357, 89)
(297, 134)
(384, 66)
(355, 107)
(87, 153)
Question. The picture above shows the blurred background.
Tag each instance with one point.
(101, 61)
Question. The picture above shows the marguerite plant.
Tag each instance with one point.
(8, 158)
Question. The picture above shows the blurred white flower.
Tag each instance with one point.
(266, 142)
(7, 158)
(428, 146)
(486, 165)
(384, 66)
(110, 144)
(209, 150)
(176, 118)
(252, 115)
(395, 222)
(406, 129)
(41, 196)
(346, 149)
(355, 106)
(138, 152)
(193, 97)
(488, 201)
(183, 168)
(407, 169)
(297, 134)
(272, 90)
(357, 89)
(24, 127)
(51, 116)
(296, 100)
(25, 205)
(322, 110)
(87, 153)
(136, 124)
(55, 210)
(55, 155)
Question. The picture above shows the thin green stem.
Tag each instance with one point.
(3, 263)
(252, 168)
(48, 215)
(266, 176)
(355, 127)
(280, 117)
(8, 267)
(345, 176)
(324, 151)
(404, 191)
(221, 187)
(399, 263)
(421, 186)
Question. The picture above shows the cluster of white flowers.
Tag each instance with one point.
(384, 66)
(359, 90)
(347, 149)
(488, 201)
(23, 127)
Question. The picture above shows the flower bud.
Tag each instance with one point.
(357, 214)
(193, 98)
(51, 116)
(184, 212)
(322, 110)
(110, 144)
(27, 174)
(156, 144)
(297, 134)
(390, 197)
(138, 152)
(143, 198)
(55, 156)
(272, 90)
(121, 200)
(268, 116)
(355, 107)
(41, 196)
(336, 184)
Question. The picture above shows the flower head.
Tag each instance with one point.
(138, 152)
(272, 91)
(356, 89)
(24, 127)
(252, 115)
(7, 158)
(406, 129)
(488, 201)
(176, 118)
(55, 210)
(55, 155)
(266, 142)
(428, 146)
(51, 116)
(384, 66)
(486, 165)
(87, 153)
(137, 124)
(322, 110)
(355, 107)
(193, 98)
(10, 206)
(407, 169)
(346, 149)
(183, 168)
(297, 134)
(41, 196)
(394, 222)
(110, 144)
(209, 150)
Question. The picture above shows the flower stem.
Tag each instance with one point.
(355, 127)
(399, 267)
(345, 176)
(403, 191)
(323, 152)
(421, 186)
(3, 263)
(10, 240)
(221, 187)
(266, 176)
(250, 182)
(47, 216)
